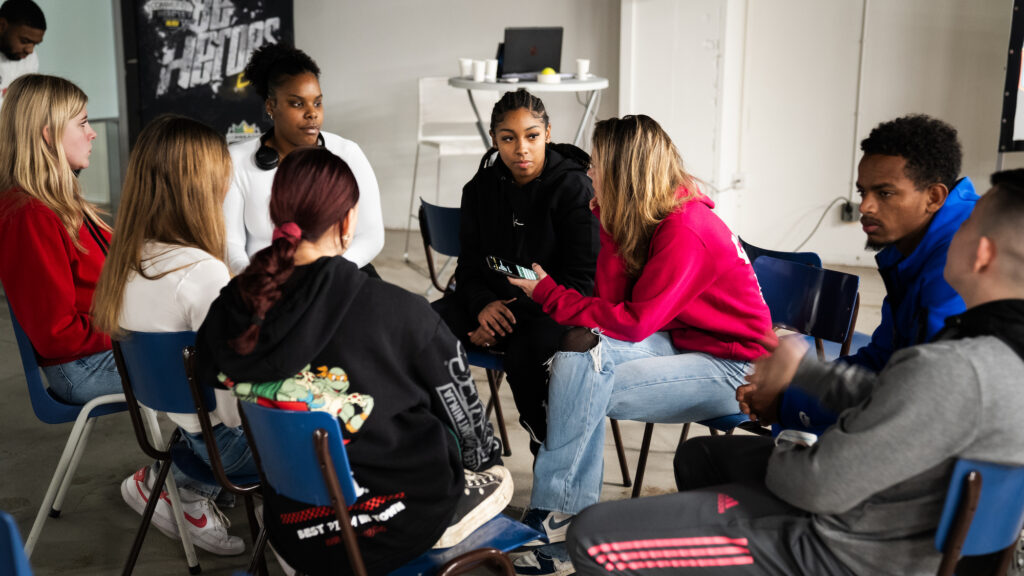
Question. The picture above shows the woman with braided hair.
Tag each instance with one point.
(528, 202)
(302, 328)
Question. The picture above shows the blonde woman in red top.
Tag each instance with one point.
(675, 319)
(52, 244)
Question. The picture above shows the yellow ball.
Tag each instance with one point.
(547, 71)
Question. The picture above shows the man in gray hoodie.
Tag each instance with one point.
(866, 498)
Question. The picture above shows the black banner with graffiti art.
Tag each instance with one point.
(189, 56)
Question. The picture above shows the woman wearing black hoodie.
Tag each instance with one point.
(531, 204)
(302, 328)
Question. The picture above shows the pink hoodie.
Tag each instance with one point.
(697, 284)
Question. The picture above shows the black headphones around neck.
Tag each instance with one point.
(267, 158)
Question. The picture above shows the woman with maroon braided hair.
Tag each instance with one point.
(303, 329)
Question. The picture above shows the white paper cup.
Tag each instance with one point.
(465, 67)
(491, 70)
(478, 70)
(582, 68)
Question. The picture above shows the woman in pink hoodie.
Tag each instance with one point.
(676, 317)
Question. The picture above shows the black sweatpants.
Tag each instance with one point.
(728, 529)
(534, 339)
(712, 460)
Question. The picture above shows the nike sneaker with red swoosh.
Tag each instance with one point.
(207, 526)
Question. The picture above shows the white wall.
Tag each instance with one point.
(787, 102)
(945, 58)
(79, 45)
(371, 54)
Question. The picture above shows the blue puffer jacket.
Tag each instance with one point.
(917, 302)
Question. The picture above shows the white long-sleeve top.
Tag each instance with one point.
(176, 302)
(247, 205)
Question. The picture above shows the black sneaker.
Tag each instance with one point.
(553, 525)
(486, 494)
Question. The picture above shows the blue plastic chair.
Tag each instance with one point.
(755, 252)
(813, 301)
(52, 410)
(152, 368)
(13, 561)
(302, 456)
(829, 350)
(983, 514)
(440, 227)
(724, 424)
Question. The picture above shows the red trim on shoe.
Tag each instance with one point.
(140, 482)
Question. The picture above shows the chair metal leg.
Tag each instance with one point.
(254, 532)
(147, 517)
(490, 557)
(258, 552)
(641, 465)
(494, 381)
(58, 502)
(153, 428)
(686, 432)
(412, 202)
(620, 451)
(63, 466)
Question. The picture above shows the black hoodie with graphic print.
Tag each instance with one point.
(394, 349)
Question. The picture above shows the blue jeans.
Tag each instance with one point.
(649, 381)
(82, 380)
(235, 456)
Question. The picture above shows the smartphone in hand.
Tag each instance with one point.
(510, 268)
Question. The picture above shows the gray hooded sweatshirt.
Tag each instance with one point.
(877, 479)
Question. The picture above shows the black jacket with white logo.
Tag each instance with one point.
(410, 413)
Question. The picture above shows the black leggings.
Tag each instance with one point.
(533, 341)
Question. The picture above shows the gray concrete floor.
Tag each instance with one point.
(96, 529)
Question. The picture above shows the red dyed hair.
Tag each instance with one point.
(314, 189)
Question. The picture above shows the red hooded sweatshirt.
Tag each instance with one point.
(698, 284)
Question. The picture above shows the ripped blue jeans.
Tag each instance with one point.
(648, 381)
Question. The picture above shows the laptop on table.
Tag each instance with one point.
(527, 51)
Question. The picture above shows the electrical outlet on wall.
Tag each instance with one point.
(848, 211)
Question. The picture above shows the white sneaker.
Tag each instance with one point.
(206, 524)
(550, 560)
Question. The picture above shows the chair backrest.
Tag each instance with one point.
(442, 107)
(806, 299)
(47, 407)
(754, 252)
(996, 494)
(153, 367)
(283, 443)
(440, 227)
(13, 561)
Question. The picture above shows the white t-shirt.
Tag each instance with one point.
(10, 70)
(176, 302)
(247, 205)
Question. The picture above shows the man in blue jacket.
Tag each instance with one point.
(912, 202)
(911, 205)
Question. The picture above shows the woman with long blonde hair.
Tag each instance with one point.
(52, 243)
(166, 265)
(676, 318)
